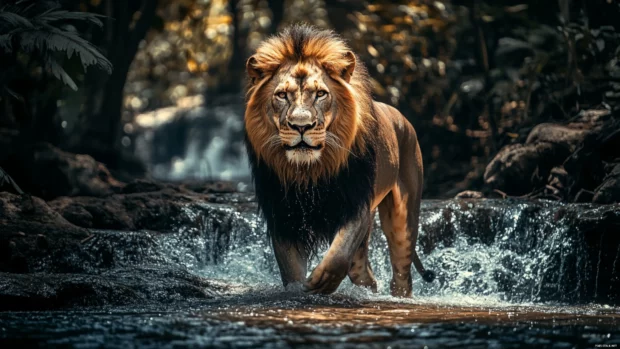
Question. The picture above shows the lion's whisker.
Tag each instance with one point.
(334, 141)
(272, 141)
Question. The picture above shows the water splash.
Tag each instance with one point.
(488, 252)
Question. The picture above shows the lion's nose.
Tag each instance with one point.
(301, 128)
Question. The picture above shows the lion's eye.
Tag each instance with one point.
(321, 93)
(281, 95)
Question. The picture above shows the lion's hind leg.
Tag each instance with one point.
(393, 213)
(360, 272)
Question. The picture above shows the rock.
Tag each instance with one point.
(156, 284)
(213, 187)
(49, 261)
(143, 186)
(560, 135)
(29, 216)
(152, 210)
(29, 230)
(591, 117)
(58, 241)
(518, 168)
(561, 162)
(46, 262)
(469, 194)
(48, 172)
(144, 205)
(609, 191)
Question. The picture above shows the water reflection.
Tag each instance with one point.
(314, 321)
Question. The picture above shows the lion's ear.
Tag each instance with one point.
(347, 72)
(253, 72)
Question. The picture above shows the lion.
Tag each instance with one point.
(325, 157)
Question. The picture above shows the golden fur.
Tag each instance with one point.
(351, 115)
(309, 115)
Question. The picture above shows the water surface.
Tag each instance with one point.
(509, 278)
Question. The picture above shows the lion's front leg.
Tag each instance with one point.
(328, 275)
(292, 262)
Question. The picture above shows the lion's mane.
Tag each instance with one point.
(306, 205)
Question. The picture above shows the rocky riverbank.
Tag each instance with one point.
(148, 242)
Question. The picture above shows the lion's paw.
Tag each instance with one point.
(322, 281)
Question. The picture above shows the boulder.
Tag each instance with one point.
(609, 191)
(122, 286)
(563, 162)
(48, 172)
(519, 168)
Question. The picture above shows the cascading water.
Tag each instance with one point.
(500, 251)
(509, 274)
(191, 141)
(512, 251)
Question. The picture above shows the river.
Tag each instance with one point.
(510, 274)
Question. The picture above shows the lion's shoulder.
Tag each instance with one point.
(389, 117)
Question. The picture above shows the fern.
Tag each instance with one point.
(33, 27)
(61, 15)
(14, 19)
(58, 71)
(63, 41)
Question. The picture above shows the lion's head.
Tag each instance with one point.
(308, 104)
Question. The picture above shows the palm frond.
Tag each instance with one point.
(62, 41)
(59, 72)
(62, 15)
(12, 20)
(34, 26)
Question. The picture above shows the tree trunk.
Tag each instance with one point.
(338, 13)
(233, 81)
(100, 127)
(277, 14)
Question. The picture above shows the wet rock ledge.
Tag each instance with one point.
(146, 242)
(114, 250)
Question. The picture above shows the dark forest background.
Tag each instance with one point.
(509, 98)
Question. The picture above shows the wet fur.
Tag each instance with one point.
(375, 163)
(308, 217)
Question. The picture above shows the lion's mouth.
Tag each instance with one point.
(303, 146)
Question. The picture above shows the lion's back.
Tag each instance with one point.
(392, 119)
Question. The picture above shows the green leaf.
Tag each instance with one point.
(59, 72)
(13, 20)
(62, 41)
(61, 15)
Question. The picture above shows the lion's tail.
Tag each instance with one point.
(427, 275)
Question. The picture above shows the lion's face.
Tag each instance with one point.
(302, 111)
(308, 105)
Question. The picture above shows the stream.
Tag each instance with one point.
(510, 274)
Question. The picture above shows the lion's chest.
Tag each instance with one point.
(312, 215)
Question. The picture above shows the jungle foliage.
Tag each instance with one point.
(473, 76)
